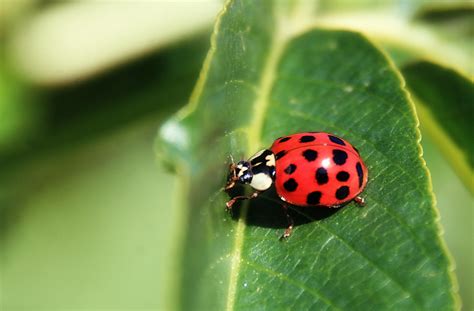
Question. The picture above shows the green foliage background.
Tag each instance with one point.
(89, 219)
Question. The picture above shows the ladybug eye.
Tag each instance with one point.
(244, 173)
(246, 177)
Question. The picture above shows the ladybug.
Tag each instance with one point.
(307, 169)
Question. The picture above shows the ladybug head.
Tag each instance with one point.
(258, 171)
(239, 173)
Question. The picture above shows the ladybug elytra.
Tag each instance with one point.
(307, 169)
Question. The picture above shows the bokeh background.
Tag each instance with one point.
(88, 217)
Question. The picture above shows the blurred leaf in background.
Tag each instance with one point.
(453, 20)
(152, 86)
(456, 209)
(395, 26)
(77, 171)
(77, 39)
(20, 116)
(445, 103)
(90, 228)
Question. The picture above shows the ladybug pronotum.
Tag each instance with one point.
(307, 169)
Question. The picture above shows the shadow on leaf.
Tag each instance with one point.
(267, 211)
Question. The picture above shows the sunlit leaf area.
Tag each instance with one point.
(119, 120)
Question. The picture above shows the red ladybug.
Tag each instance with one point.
(308, 169)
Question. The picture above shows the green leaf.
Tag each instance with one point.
(444, 103)
(454, 22)
(401, 8)
(18, 112)
(266, 76)
(442, 13)
(454, 202)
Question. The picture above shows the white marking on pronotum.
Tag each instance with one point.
(270, 160)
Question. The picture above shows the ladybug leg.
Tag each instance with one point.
(289, 229)
(240, 198)
(359, 200)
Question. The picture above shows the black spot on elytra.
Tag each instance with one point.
(290, 185)
(360, 173)
(313, 198)
(280, 154)
(339, 156)
(336, 140)
(342, 192)
(322, 176)
(307, 139)
(284, 139)
(310, 155)
(290, 169)
(342, 176)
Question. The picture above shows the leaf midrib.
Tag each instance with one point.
(294, 282)
(281, 37)
(254, 130)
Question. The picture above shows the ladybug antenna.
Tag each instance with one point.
(232, 177)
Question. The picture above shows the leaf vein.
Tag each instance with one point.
(316, 294)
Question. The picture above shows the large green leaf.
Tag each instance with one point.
(265, 77)
(445, 106)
